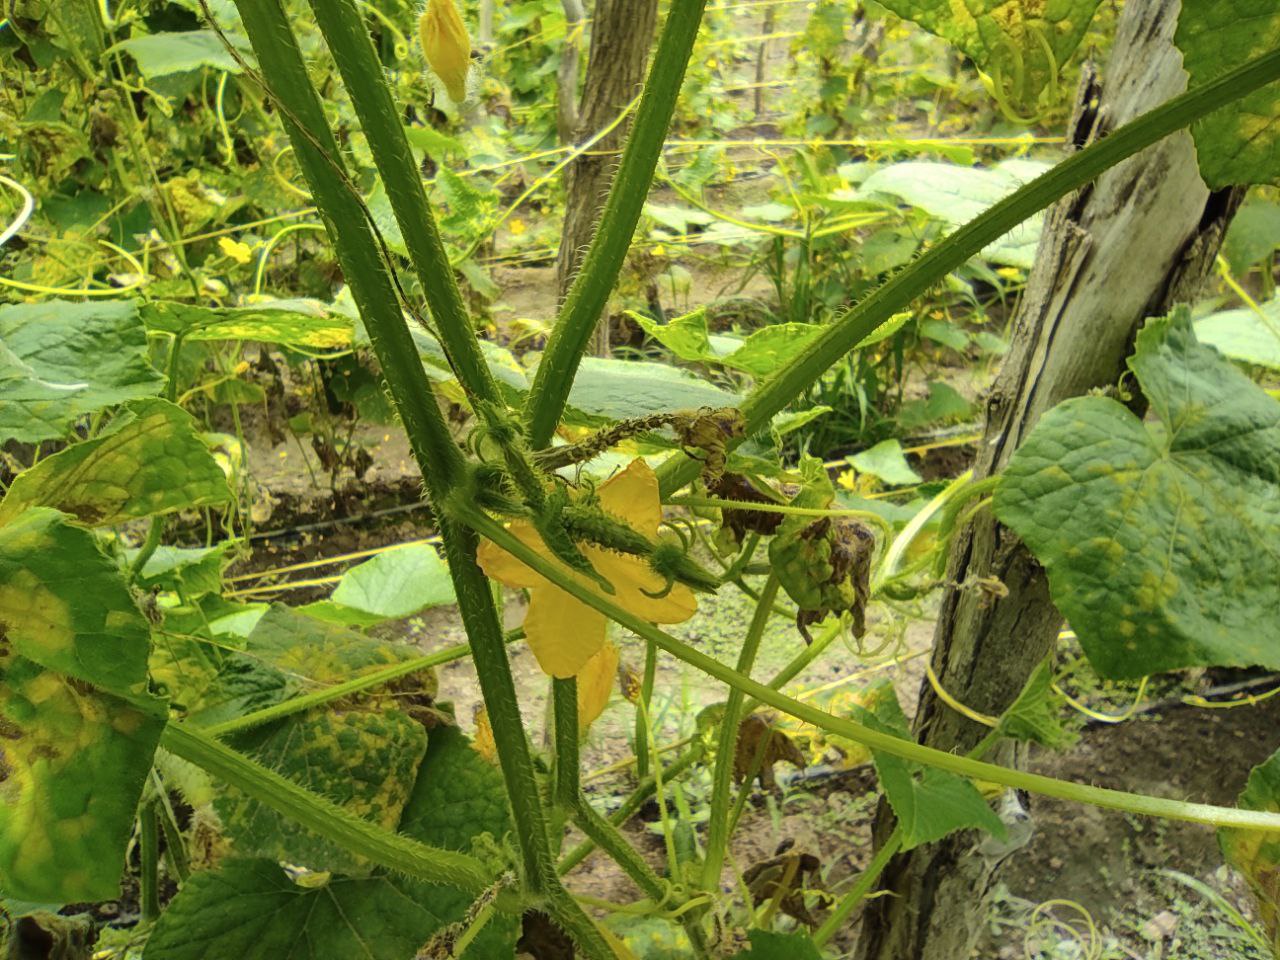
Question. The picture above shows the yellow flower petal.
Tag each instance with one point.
(562, 633)
(484, 743)
(635, 582)
(632, 496)
(447, 46)
(503, 567)
(595, 683)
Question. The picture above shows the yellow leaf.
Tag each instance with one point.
(483, 742)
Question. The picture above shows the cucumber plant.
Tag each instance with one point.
(360, 827)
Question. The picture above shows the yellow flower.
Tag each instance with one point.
(595, 683)
(565, 633)
(447, 46)
(237, 251)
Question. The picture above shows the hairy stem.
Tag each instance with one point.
(726, 748)
(589, 294)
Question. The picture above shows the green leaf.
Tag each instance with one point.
(79, 729)
(944, 405)
(363, 758)
(1256, 854)
(1239, 143)
(1254, 233)
(685, 336)
(1159, 539)
(1022, 44)
(195, 571)
(251, 910)
(929, 803)
(955, 195)
(289, 323)
(393, 585)
(1035, 716)
(1244, 335)
(60, 360)
(148, 461)
(947, 334)
(620, 389)
(766, 945)
(886, 461)
(162, 54)
(770, 347)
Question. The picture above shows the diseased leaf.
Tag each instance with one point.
(60, 360)
(286, 654)
(162, 54)
(1022, 44)
(1159, 539)
(1257, 854)
(148, 461)
(1240, 142)
(251, 910)
(929, 803)
(364, 758)
(1244, 335)
(956, 194)
(77, 727)
(289, 323)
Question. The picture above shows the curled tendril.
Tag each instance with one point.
(1005, 93)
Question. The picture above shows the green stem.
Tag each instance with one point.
(599, 272)
(605, 835)
(362, 73)
(844, 334)
(149, 861)
(726, 748)
(633, 802)
(642, 709)
(858, 892)
(564, 699)
(328, 819)
(874, 739)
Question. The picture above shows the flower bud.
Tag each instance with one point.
(447, 46)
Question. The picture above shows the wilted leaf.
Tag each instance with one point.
(1257, 854)
(148, 461)
(760, 745)
(77, 727)
(60, 360)
(929, 803)
(1159, 538)
(1239, 143)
